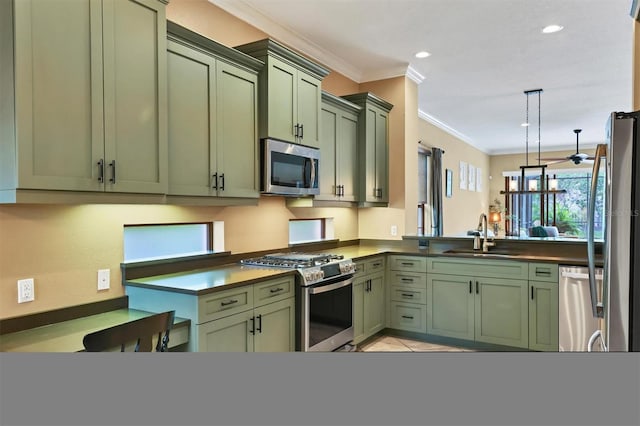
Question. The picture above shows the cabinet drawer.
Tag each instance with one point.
(273, 290)
(224, 303)
(408, 263)
(409, 317)
(365, 267)
(412, 279)
(478, 267)
(413, 295)
(543, 272)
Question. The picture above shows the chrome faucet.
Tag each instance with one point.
(482, 227)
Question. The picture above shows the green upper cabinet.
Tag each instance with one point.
(338, 148)
(213, 102)
(373, 148)
(87, 93)
(289, 93)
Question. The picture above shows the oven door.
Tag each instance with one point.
(327, 315)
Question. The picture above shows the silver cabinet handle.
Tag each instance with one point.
(101, 170)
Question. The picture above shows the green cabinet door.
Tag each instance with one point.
(229, 334)
(191, 118)
(58, 95)
(359, 285)
(237, 109)
(282, 87)
(381, 169)
(290, 93)
(308, 109)
(373, 126)
(275, 325)
(450, 306)
(374, 309)
(347, 158)
(212, 122)
(90, 95)
(501, 312)
(543, 316)
(135, 96)
(328, 178)
(338, 146)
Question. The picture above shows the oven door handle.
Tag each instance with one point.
(330, 287)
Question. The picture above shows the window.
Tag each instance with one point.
(567, 212)
(151, 242)
(310, 230)
(423, 190)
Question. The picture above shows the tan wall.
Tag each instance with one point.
(461, 211)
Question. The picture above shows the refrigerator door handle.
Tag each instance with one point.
(601, 151)
(597, 334)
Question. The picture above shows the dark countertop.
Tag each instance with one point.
(208, 280)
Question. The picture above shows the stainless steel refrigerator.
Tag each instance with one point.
(617, 300)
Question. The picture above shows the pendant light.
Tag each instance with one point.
(532, 187)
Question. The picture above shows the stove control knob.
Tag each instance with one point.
(320, 275)
(308, 276)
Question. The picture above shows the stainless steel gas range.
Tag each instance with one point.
(324, 298)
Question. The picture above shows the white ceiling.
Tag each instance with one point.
(484, 55)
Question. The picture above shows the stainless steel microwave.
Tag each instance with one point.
(288, 169)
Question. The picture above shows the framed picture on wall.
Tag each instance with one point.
(463, 175)
(472, 178)
(478, 179)
(449, 183)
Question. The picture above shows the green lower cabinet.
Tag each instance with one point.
(408, 316)
(229, 334)
(543, 316)
(501, 312)
(490, 310)
(368, 306)
(275, 325)
(450, 306)
(268, 328)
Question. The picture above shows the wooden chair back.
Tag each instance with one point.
(138, 334)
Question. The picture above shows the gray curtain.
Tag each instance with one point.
(436, 191)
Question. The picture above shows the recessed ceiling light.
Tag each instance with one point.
(552, 29)
(422, 54)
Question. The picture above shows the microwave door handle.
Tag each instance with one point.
(601, 151)
(313, 172)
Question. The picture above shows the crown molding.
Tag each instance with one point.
(453, 132)
(414, 75)
(245, 12)
(294, 40)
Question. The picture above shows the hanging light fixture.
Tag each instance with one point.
(533, 187)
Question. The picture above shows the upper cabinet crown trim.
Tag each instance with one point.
(266, 47)
(363, 97)
(180, 34)
(340, 102)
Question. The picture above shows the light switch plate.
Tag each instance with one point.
(104, 279)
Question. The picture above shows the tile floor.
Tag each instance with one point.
(401, 344)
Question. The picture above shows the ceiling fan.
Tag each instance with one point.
(576, 158)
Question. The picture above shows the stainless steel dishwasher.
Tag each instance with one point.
(576, 321)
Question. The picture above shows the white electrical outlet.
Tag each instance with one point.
(394, 230)
(103, 279)
(26, 290)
